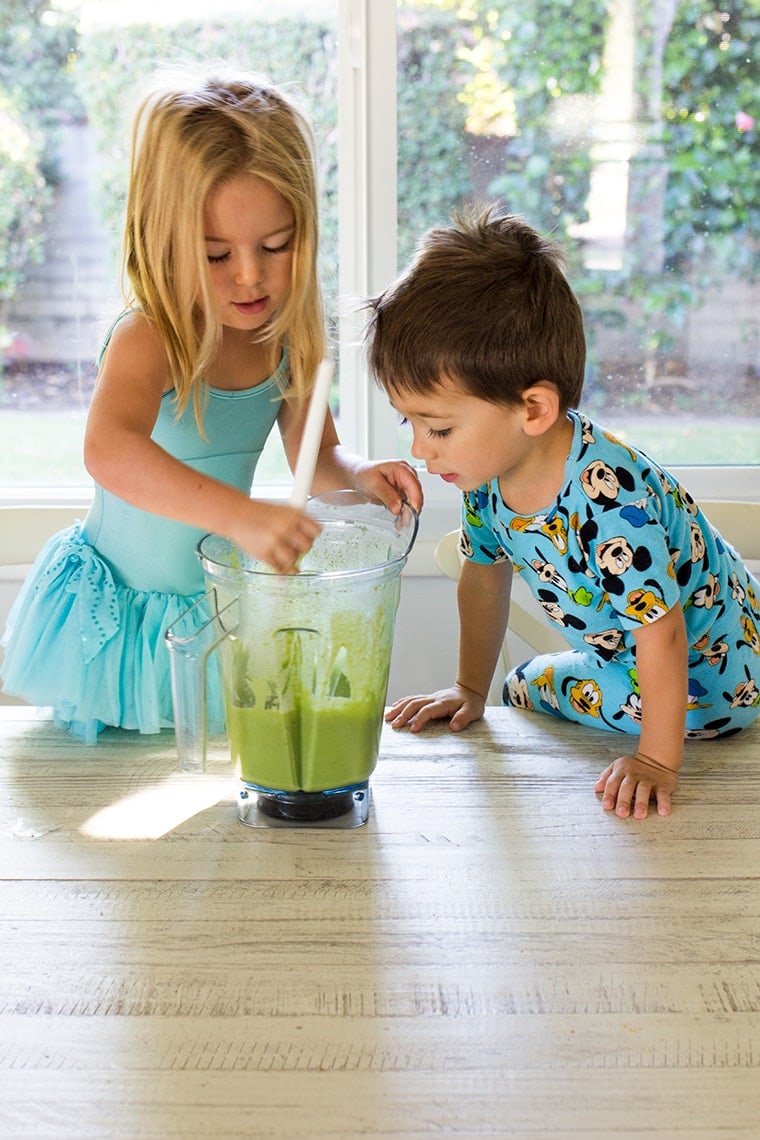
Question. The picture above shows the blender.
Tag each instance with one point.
(303, 661)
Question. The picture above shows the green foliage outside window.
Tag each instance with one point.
(712, 128)
(432, 143)
(34, 91)
(694, 183)
(513, 83)
(24, 197)
(301, 56)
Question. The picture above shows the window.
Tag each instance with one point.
(644, 162)
(629, 134)
(64, 139)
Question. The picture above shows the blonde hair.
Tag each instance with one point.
(190, 135)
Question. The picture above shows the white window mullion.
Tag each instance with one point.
(367, 243)
(367, 207)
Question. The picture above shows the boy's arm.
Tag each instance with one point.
(483, 601)
(662, 658)
(483, 594)
(662, 664)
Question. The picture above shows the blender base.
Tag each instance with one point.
(340, 809)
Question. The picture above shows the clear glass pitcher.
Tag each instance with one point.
(303, 661)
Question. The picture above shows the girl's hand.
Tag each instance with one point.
(392, 482)
(635, 780)
(459, 704)
(275, 534)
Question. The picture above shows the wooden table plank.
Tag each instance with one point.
(594, 1105)
(379, 1044)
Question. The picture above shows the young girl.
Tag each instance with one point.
(480, 346)
(222, 335)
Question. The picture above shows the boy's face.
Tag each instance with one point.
(465, 440)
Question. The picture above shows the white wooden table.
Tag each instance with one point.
(491, 955)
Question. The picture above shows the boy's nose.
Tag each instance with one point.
(418, 450)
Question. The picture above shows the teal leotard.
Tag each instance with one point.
(86, 632)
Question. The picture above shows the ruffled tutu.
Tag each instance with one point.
(93, 649)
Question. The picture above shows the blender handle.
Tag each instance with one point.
(188, 658)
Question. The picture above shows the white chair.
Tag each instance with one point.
(738, 522)
(526, 619)
(24, 530)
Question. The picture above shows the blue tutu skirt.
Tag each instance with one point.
(94, 649)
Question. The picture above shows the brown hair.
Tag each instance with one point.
(484, 302)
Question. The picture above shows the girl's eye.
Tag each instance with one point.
(279, 248)
(217, 259)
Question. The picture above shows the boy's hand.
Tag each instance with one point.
(460, 705)
(634, 780)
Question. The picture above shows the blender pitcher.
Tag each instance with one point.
(303, 661)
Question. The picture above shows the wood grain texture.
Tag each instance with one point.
(491, 955)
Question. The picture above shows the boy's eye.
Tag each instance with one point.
(432, 433)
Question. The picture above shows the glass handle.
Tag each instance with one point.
(190, 641)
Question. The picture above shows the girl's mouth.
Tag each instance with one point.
(251, 308)
(450, 477)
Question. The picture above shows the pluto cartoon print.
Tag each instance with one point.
(622, 544)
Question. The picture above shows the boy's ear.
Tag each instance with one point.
(542, 407)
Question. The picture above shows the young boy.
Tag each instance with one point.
(480, 346)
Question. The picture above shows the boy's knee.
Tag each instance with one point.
(516, 691)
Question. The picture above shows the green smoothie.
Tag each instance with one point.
(339, 743)
(263, 746)
(337, 747)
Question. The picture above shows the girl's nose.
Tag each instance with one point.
(249, 271)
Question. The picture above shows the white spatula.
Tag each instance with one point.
(312, 434)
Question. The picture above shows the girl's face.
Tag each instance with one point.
(465, 440)
(249, 231)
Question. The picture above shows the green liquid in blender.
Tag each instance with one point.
(305, 704)
(337, 747)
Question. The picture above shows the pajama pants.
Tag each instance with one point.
(724, 692)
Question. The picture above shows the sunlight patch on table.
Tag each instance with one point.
(153, 812)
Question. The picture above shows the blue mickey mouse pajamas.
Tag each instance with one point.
(623, 544)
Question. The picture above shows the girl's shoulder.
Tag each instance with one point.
(132, 342)
(133, 359)
(130, 326)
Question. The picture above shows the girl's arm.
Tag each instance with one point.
(391, 482)
(662, 658)
(483, 594)
(122, 458)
